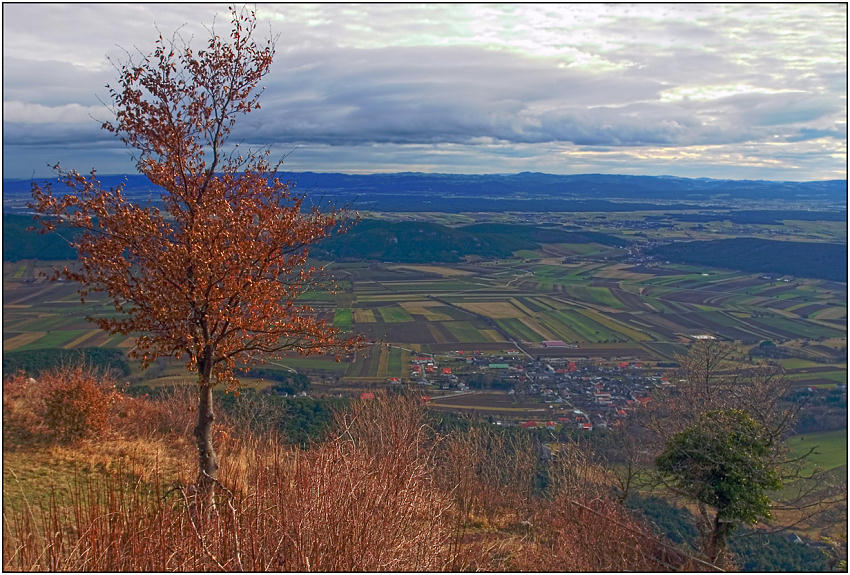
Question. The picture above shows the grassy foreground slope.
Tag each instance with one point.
(395, 492)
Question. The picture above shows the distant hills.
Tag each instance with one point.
(526, 191)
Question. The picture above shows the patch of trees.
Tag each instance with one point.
(21, 244)
(371, 239)
(286, 381)
(480, 381)
(769, 349)
(35, 361)
(420, 242)
(804, 259)
(823, 410)
(297, 420)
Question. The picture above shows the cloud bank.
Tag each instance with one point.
(738, 91)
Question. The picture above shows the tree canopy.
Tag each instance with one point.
(723, 461)
(214, 275)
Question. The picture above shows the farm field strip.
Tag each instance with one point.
(383, 362)
(426, 309)
(54, 339)
(113, 341)
(443, 271)
(78, 342)
(463, 331)
(617, 326)
(22, 339)
(519, 330)
(517, 303)
(441, 334)
(594, 295)
(831, 313)
(535, 324)
(560, 330)
(493, 309)
(395, 360)
(492, 335)
(363, 315)
(394, 314)
(585, 326)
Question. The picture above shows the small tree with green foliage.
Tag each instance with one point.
(723, 462)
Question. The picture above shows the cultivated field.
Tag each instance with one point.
(587, 295)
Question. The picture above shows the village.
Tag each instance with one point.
(569, 392)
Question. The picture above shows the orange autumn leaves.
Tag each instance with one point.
(213, 275)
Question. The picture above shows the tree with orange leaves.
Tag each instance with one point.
(213, 277)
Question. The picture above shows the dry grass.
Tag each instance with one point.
(363, 501)
(384, 493)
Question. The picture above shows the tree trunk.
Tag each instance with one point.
(207, 460)
(716, 549)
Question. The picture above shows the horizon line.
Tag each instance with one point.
(499, 174)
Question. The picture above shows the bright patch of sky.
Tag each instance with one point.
(716, 90)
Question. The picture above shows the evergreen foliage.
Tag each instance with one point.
(722, 461)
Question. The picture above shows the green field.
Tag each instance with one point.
(394, 367)
(56, 339)
(343, 318)
(394, 314)
(518, 330)
(830, 449)
(463, 331)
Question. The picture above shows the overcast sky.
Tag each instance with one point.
(741, 91)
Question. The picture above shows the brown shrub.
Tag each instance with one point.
(23, 425)
(75, 402)
(65, 404)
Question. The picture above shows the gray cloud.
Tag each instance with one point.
(512, 84)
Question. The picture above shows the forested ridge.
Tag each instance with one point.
(804, 259)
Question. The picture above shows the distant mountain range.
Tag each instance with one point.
(526, 191)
